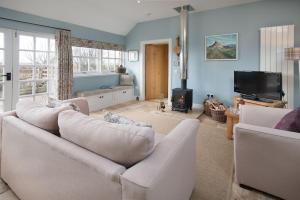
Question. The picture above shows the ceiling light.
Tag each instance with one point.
(139, 1)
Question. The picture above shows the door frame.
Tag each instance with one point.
(8, 60)
(143, 66)
(16, 64)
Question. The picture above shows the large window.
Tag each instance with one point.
(36, 65)
(95, 60)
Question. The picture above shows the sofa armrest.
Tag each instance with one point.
(2, 116)
(261, 116)
(169, 172)
(268, 159)
(82, 103)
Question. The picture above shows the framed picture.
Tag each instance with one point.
(133, 55)
(221, 47)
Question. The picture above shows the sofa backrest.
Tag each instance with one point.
(121, 143)
(48, 167)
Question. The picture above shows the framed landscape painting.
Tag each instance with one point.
(221, 47)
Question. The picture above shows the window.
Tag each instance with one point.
(36, 66)
(95, 60)
(110, 59)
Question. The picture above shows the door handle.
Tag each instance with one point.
(8, 76)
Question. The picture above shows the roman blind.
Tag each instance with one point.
(78, 42)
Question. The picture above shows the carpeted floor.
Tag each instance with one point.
(214, 151)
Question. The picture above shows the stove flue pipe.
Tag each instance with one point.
(184, 45)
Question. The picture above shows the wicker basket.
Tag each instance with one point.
(207, 109)
(218, 115)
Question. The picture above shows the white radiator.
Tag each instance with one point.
(273, 41)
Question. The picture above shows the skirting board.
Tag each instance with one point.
(198, 106)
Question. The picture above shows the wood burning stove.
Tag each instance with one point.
(182, 99)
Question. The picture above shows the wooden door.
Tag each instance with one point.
(156, 63)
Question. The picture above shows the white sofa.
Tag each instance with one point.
(39, 165)
(267, 159)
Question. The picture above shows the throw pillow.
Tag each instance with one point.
(126, 80)
(290, 122)
(54, 103)
(114, 118)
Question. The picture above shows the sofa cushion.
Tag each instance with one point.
(290, 122)
(126, 80)
(40, 115)
(123, 144)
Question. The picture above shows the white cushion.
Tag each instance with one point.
(40, 115)
(126, 79)
(123, 144)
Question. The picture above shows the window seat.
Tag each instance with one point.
(101, 91)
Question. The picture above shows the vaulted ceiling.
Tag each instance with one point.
(115, 16)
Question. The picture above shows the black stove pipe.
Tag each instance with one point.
(183, 84)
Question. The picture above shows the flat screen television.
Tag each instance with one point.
(258, 85)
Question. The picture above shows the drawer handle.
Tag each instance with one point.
(101, 97)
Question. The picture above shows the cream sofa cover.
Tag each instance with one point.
(40, 115)
(267, 159)
(120, 143)
(38, 165)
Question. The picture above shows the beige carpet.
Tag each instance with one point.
(214, 151)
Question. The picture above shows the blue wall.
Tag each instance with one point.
(216, 77)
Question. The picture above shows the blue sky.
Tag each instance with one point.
(223, 39)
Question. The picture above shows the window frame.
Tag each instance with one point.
(99, 61)
(35, 65)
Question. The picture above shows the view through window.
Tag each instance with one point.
(36, 66)
(95, 60)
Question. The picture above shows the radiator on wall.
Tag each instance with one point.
(273, 41)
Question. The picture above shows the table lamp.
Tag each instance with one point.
(292, 53)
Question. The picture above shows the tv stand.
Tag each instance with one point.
(274, 103)
(254, 98)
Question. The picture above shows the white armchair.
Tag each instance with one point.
(267, 159)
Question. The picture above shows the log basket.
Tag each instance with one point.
(218, 115)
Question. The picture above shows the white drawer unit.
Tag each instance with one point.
(123, 96)
(100, 99)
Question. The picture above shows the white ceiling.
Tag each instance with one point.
(115, 16)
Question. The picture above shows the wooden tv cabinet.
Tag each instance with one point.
(274, 104)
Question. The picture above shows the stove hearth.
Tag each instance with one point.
(182, 99)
